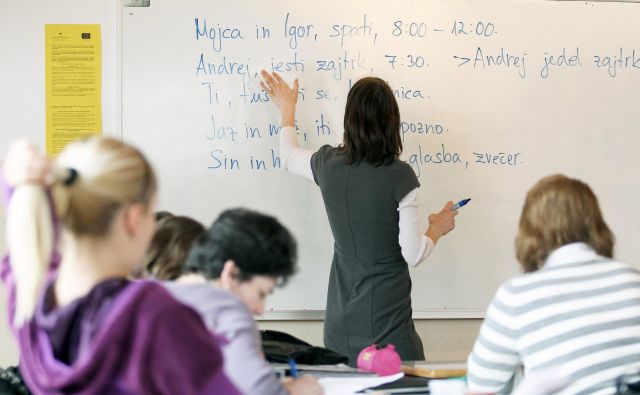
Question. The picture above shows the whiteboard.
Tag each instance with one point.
(493, 95)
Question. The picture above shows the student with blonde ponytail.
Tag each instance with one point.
(82, 327)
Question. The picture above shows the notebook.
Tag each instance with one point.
(341, 370)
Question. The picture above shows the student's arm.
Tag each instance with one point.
(243, 358)
(415, 246)
(5, 267)
(181, 355)
(493, 362)
(24, 164)
(244, 361)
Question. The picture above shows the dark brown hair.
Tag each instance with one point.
(169, 247)
(371, 123)
(559, 210)
(258, 244)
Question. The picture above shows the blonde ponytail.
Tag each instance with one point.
(30, 241)
(106, 174)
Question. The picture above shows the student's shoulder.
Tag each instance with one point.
(204, 294)
(215, 305)
(155, 297)
(150, 307)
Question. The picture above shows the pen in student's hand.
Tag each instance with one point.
(294, 369)
(460, 204)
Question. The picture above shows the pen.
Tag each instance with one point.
(460, 204)
(294, 369)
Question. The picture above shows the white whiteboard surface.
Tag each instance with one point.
(581, 118)
(22, 103)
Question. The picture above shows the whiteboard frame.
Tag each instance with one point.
(318, 315)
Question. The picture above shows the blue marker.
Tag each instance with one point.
(294, 369)
(460, 204)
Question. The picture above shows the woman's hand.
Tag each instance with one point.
(26, 164)
(442, 222)
(282, 95)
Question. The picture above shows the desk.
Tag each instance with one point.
(434, 369)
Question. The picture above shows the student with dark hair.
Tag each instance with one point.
(574, 313)
(229, 272)
(371, 199)
(244, 245)
(81, 326)
(171, 242)
(160, 215)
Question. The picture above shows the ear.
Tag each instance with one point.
(133, 217)
(229, 275)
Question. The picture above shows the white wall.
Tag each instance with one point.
(22, 103)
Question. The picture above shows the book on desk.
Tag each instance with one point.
(435, 370)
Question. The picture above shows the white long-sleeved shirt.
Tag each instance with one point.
(415, 246)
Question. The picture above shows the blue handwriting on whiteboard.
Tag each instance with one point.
(614, 63)
(224, 68)
(217, 34)
(297, 32)
(346, 30)
(337, 65)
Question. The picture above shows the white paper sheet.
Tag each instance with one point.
(350, 385)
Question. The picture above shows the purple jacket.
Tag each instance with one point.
(121, 338)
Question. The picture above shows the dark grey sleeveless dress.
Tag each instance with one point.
(369, 296)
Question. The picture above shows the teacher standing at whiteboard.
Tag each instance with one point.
(371, 201)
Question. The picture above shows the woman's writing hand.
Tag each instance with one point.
(442, 222)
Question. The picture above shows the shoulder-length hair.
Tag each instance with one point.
(557, 211)
(371, 123)
(170, 246)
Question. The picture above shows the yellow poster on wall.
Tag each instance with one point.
(73, 68)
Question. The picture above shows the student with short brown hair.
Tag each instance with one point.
(575, 311)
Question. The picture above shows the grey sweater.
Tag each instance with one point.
(227, 316)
